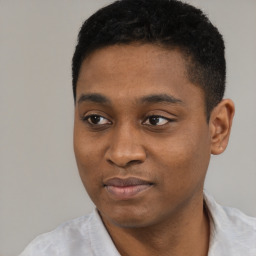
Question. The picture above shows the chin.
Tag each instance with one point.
(130, 222)
(128, 218)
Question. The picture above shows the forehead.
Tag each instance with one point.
(132, 71)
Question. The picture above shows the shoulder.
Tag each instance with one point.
(232, 231)
(71, 234)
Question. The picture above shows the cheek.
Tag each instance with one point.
(89, 172)
(184, 159)
(88, 157)
(86, 146)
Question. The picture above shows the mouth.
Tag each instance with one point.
(124, 189)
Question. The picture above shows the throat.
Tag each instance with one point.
(181, 237)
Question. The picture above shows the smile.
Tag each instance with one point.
(124, 189)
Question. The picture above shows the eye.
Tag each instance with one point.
(96, 120)
(157, 120)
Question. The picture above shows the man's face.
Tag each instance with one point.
(141, 139)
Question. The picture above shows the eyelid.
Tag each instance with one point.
(158, 116)
(85, 118)
(94, 112)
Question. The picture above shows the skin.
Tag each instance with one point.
(137, 115)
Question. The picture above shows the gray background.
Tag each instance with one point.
(39, 184)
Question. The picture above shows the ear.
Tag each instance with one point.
(220, 125)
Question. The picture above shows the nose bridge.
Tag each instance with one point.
(125, 146)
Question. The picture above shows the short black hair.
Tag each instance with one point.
(168, 23)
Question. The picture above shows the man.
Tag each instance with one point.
(148, 83)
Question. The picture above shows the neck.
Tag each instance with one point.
(185, 233)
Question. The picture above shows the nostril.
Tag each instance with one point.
(110, 161)
(134, 162)
(125, 164)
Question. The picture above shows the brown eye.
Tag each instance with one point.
(96, 120)
(156, 120)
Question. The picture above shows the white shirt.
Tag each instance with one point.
(232, 234)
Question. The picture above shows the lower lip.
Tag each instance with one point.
(125, 193)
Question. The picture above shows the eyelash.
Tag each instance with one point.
(168, 120)
(87, 118)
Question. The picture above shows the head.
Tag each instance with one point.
(148, 81)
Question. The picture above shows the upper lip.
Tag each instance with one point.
(125, 182)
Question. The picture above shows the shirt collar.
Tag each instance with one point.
(231, 231)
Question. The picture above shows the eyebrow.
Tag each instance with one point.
(160, 98)
(93, 97)
(152, 98)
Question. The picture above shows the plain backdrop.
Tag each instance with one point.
(39, 184)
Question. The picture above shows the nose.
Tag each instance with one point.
(125, 148)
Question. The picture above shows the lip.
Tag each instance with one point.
(126, 188)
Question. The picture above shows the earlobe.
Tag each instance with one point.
(220, 125)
